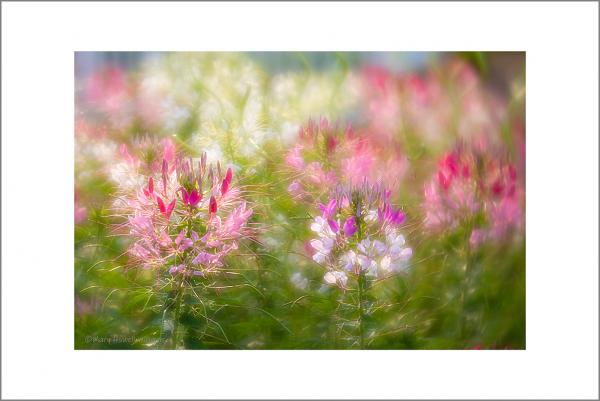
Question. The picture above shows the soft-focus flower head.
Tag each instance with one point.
(425, 104)
(328, 154)
(186, 218)
(358, 233)
(472, 181)
(108, 89)
(112, 98)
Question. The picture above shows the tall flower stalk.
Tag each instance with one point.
(183, 222)
(477, 195)
(359, 241)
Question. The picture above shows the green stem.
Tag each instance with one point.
(361, 282)
(361, 329)
(178, 298)
(180, 291)
(465, 288)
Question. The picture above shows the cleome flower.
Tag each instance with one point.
(358, 233)
(186, 218)
(470, 183)
(451, 196)
(327, 154)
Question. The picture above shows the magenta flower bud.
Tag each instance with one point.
(333, 225)
(161, 205)
(329, 210)
(150, 190)
(165, 210)
(389, 215)
(165, 170)
(226, 181)
(399, 217)
(350, 226)
(170, 208)
(212, 208)
(194, 198)
(184, 196)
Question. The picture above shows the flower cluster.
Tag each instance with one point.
(186, 218)
(317, 141)
(470, 183)
(113, 99)
(328, 154)
(451, 196)
(358, 233)
(427, 103)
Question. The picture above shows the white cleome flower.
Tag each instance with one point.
(336, 278)
(322, 247)
(371, 216)
(397, 255)
(321, 227)
(348, 260)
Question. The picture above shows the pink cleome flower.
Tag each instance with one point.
(469, 182)
(186, 218)
(328, 154)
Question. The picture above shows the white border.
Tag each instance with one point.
(561, 40)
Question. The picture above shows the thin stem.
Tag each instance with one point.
(465, 284)
(361, 329)
(180, 291)
(178, 298)
(361, 281)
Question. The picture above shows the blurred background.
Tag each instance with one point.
(245, 110)
(499, 68)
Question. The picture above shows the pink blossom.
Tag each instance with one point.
(108, 89)
(213, 205)
(162, 228)
(455, 194)
(183, 242)
(451, 196)
(190, 199)
(149, 191)
(166, 210)
(226, 181)
(294, 158)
